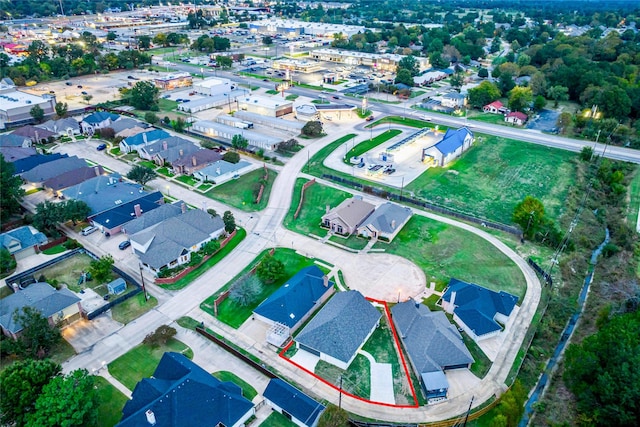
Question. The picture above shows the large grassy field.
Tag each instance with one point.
(142, 360)
(444, 251)
(234, 314)
(241, 193)
(110, 403)
(316, 199)
(495, 175)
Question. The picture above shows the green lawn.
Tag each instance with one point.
(165, 171)
(634, 200)
(54, 250)
(416, 123)
(291, 97)
(444, 251)
(356, 379)
(496, 174)
(33, 191)
(352, 242)
(110, 403)
(131, 156)
(147, 164)
(241, 233)
(482, 363)
(496, 119)
(316, 198)
(241, 193)
(132, 308)
(205, 186)
(142, 360)
(235, 315)
(272, 92)
(115, 151)
(276, 419)
(186, 179)
(247, 390)
(315, 163)
(369, 144)
(416, 93)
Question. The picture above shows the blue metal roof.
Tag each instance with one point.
(453, 139)
(144, 137)
(124, 213)
(100, 116)
(299, 405)
(293, 300)
(182, 394)
(477, 306)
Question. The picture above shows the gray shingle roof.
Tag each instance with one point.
(153, 217)
(41, 296)
(170, 142)
(104, 192)
(352, 211)
(431, 341)
(126, 123)
(11, 140)
(73, 177)
(174, 237)
(60, 125)
(49, 170)
(388, 217)
(341, 326)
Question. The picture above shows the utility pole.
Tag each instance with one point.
(466, 417)
(340, 395)
(144, 290)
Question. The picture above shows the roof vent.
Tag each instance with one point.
(151, 417)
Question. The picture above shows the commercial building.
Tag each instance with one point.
(226, 133)
(16, 105)
(378, 61)
(173, 81)
(272, 107)
(293, 27)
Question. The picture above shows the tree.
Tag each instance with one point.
(160, 39)
(485, 93)
(61, 109)
(457, 80)
(87, 98)
(151, 117)
(505, 82)
(239, 142)
(141, 174)
(246, 290)
(558, 93)
(438, 61)
(11, 193)
(229, 222)
(160, 336)
(520, 98)
(529, 215)
(101, 269)
(267, 41)
(334, 417)
(144, 95)
(539, 102)
(564, 121)
(144, 42)
(483, 73)
(404, 76)
(21, 384)
(47, 216)
(231, 157)
(179, 124)
(270, 269)
(409, 63)
(602, 372)
(7, 262)
(37, 113)
(68, 401)
(74, 211)
(224, 61)
(312, 128)
(37, 337)
(538, 83)
(111, 36)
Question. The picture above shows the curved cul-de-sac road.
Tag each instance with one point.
(359, 270)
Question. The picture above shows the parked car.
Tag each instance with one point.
(336, 97)
(88, 230)
(79, 86)
(124, 245)
(369, 118)
(68, 83)
(84, 92)
(132, 78)
(101, 147)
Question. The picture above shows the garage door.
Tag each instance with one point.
(309, 349)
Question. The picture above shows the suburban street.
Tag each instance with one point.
(265, 230)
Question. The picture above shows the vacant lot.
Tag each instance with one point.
(241, 193)
(444, 251)
(495, 175)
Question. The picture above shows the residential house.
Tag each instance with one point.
(167, 157)
(97, 120)
(385, 222)
(103, 193)
(149, 151)
(126, 126)
(477, 310)
(23, 165)
(223, 171)
(452, 145)
(62, 127)
(495, 107)
(516, 117)
(182, 394)
(12, 140)
(296, 406)
(55, 305)
(161, 213)
(23, 241)
(110, 222)
(297, 299)
(347, 216)
(13, 154)
(454, 100)
(170, 243)
(45, 171)
(339, 329)
(71, 178)
(136, 141)
(189, 164)
(35, 134)
(433, 345)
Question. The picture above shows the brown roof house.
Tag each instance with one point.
(347, 216)
(190, 163)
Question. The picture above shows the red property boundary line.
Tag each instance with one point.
(398, 348)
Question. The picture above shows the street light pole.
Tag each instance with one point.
(144, 290)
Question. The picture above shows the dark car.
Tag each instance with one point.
(101, 147)
(369, 118)
(68, 83)
(124, 245)
(132, 78)
(84, 92)
(336, 97)
(79, 86)
(265, 80)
